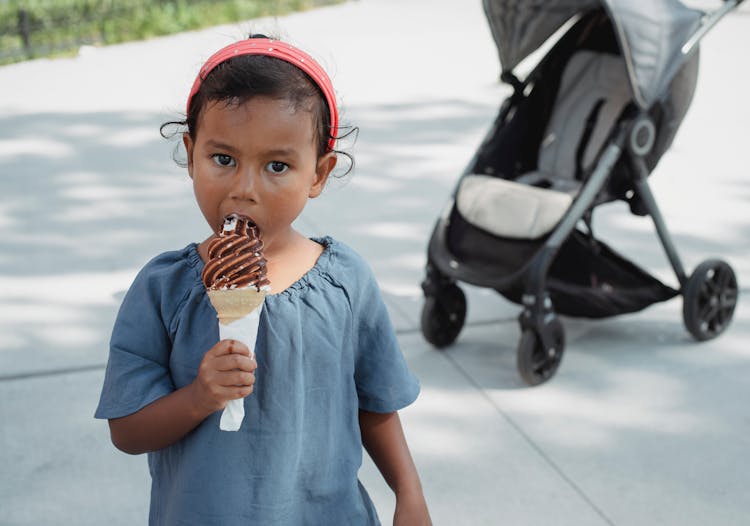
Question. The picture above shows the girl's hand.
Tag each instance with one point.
(411, 510)
(225, 373)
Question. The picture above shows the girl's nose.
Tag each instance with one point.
(245, 184)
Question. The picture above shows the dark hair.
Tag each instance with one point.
(243, 77)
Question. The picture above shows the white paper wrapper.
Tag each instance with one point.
(244, 330)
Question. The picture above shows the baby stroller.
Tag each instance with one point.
(585, 127)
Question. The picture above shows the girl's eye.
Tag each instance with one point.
(277, 167)
(223, 159)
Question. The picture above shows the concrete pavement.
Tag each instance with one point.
(641, 425)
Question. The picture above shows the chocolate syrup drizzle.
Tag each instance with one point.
(235, 258)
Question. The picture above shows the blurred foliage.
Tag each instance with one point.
(36, 28)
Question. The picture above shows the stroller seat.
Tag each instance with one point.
(593, 92)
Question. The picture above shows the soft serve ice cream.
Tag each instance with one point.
(236, 256)
(235, 274)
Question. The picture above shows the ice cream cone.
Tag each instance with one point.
(233, 304)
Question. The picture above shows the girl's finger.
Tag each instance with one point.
(237, 347)
(224, 394)
(235, 379)
(239, 392)
(228, 347)
(231, 362)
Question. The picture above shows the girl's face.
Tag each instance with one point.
(259, 159)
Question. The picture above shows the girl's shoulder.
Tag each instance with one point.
(173, 267)
(341, 262)
(344, 267)
(340, 252)
(165, 282)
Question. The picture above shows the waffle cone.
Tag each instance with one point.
(233, 304)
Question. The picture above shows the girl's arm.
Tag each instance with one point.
(383, 438)
(225, 373)
(159, 424)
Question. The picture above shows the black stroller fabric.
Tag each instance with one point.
(587, 279)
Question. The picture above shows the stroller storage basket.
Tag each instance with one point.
(587, 278)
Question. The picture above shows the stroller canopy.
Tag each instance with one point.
(651, 34)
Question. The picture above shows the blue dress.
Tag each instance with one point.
(325, 349)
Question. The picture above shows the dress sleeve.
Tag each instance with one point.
(138, 366)
(384, 382)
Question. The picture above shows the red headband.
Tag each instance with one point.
(285, 52)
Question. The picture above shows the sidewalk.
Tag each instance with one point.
(641, 425)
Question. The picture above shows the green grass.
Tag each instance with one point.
(62, 26)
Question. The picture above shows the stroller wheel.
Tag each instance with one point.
(443, 316)
(709, 299)
(537, 363)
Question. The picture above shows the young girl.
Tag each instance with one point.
(261, 129)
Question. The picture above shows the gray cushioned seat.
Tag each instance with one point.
(594, 90)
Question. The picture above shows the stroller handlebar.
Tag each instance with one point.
(709, 21)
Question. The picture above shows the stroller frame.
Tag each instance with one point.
(542, 343)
